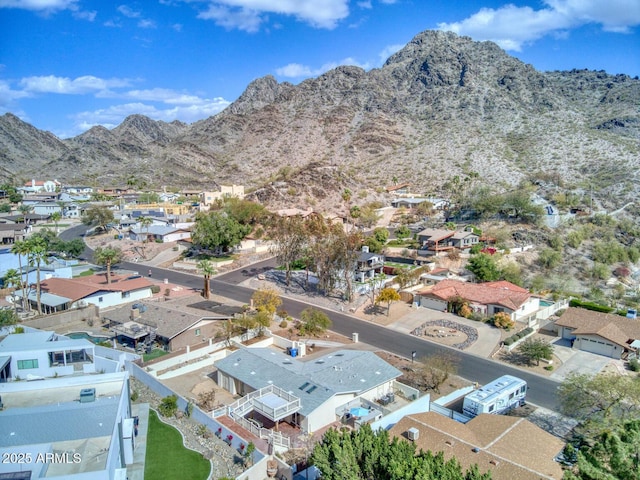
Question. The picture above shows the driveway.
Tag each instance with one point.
(576, 361)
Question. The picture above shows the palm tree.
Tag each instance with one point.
(13, 278)
(24, 210)
(56, 216)
(37, 256)
(21, 248)
(207, 269)
(107, 256)
(145, 222)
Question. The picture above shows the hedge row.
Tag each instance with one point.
(596, 307)
(517, 336)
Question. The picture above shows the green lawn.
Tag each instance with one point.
(168, 458)
(86, 273)
(155, 353)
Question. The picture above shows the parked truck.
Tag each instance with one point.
(499, 396)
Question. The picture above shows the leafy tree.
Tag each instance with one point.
(55, 218)
(314, 322)
(24, 211)
(535, 349)
(262, 320)
(381, 234)
(613, 454)
(229, 329)
(8, 318)
(484, 267)
(290, 236)
(388, 295)
(207, 269)
(599, 402)
(5, 208)
(519, 203)
(98, 216)
(149, 197)
(403, 232)
(145, 222)
(266, 300)
(434, 370)
(245, 212)
(511, 272)
(107, 256)
(374, 245)
(217, 232)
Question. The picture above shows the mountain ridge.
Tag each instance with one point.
(442, 106)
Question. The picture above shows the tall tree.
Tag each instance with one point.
(207, 269)
(13, 279)
(266, 300)
(434, 370)
(107, 256)
(24, 211)
(484, 267)
(21, 249)
(216, 232)
(37, 256)
(289, 237)
(145, 223)
(536, 349)
(55, 217)
(98, 216)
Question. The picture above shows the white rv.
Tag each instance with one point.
(502, 394)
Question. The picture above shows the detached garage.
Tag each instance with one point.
(601, 333)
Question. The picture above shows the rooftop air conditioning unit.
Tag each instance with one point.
(413, 434)
(82, 303)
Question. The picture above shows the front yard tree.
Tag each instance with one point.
(98, 217)
(207, 269)
(37, 249)
(433, 371)
(13, 279)
(8, 318)
(599, 402)
(21, 248)
(536, 349)
(314, 322)
(266, 300)
(107, 256)
(388, 295)
(145, 222)
(289, 237)
(484, 267)
(217, 232)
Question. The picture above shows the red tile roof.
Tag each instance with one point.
(501, 293)
(78, 288)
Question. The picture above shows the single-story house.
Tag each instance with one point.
(486, 298)
(368, 264)
(32, 356)
(28, 218)
(173, 325)
(12, 232)
(59, 294)
(509, 447)
(602, 333)
(77, 189)
(399, 189)
(312, 394)
(161, 233)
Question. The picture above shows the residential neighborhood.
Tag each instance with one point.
(141, 313)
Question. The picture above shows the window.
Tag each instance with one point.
(197, 332)
(491, 407)
(511, 395)
(100, 299)
(126, 294)
(26, 364)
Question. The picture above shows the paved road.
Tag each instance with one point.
(542, 390)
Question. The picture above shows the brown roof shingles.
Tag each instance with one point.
(76, 289)
(612, 327)
(511, 448)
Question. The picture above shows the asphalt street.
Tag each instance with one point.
(542, 390)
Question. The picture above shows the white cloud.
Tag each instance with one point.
(115, 114)
(64, 85)
(165, 95)
(511, 27)
(8, 95)
(129, 12)
(297, 70)
(249, 14)
(177, 27)
(40, 5)
(145, 23)
(388, 51)
(365, 4)
(85, 15)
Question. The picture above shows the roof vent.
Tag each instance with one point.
(413, 434)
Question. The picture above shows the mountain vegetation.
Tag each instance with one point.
(445, 113)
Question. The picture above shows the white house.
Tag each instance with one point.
(311, 394)
(39, 186)
(159, 233)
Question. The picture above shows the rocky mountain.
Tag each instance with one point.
(442, 106)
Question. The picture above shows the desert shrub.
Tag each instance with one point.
(168, 406)
(134, 395)
(634, 365)
(155, 289)
(465, 311)
(549, 367)
(283, 324)
(596, 307)
(508, 341)
(503, 320)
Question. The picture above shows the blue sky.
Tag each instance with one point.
(66, 65)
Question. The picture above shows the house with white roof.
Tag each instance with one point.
(309, 394)
(161, 233)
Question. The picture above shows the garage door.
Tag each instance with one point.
(433, 304)
(597, 346)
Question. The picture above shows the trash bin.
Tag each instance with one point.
(294, 352)
(288, 350)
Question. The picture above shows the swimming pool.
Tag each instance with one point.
(87, 336)
(546, 303)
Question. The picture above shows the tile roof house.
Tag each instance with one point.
(159, 233)
(602, 333)
(511, 448)
(59, 294)
(316, 389)
(486, 298)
